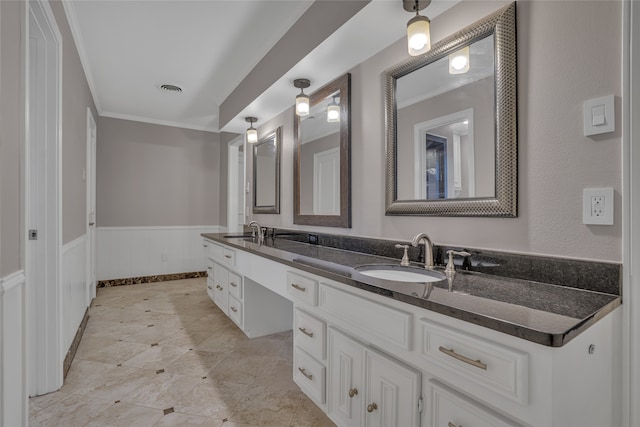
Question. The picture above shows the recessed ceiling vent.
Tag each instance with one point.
(171, 88)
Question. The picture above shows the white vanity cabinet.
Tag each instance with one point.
(369, 388)
(368, 359)
(255, 309)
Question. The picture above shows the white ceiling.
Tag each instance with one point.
(207, 47)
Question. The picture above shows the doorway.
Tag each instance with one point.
(43, 219)
(90, 177)
(236, 185)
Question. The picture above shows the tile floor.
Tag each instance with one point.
(162, 354)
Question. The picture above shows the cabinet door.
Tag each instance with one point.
(393, 391)
(346, 380)
(220, 287)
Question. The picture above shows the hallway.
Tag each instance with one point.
(162, 354)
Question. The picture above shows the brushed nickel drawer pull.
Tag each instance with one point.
(372, 407)
(353, 392)
(209, 268)
(307, 333)
(452, 353)
(227, 256)
(304, 372)
(233, 284)
(219, 287)
(235, 310)
(209, 287)
(298, 287)
(450, 424)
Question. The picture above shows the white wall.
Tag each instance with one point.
(124, 252)
(561, 63)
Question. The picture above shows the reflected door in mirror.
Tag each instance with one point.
(445, 134)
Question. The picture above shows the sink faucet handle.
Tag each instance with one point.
(405, 257)
(451, 268)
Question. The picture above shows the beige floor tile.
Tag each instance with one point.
(163, 391)
(213, 374)
(214, 399)
(264, 406)
(183, 420)
(195, 363)
(72, 411)
(125, 415)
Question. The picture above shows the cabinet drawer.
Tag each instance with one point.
(209, 268)
(309, 374)
(213, 250)
(309, 334)
(228, 257)
(235, 310)
(368, 319)
(491, 365)
(210, 288)
(235, 285)
(303, 289)
(451, 409)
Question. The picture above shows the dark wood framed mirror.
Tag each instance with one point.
(266, 173)
(322, 158)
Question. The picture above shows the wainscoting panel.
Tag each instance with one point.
(73, 288)
(13, 333)
(124, 252)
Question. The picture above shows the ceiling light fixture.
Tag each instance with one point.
(333, 111)
(252, 133)
(459, 61)
(418, 27)
(302, 100)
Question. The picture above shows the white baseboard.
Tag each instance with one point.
(73, 288)
(123, 252)
(13, 335)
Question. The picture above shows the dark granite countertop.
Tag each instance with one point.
(543, 313)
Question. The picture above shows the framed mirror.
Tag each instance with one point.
(266, 173)
(322, 158)
(451, 125)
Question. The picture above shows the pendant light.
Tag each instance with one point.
(459, 61)
(333, 111)
(252, 133)
(302, 100)
(418, 28)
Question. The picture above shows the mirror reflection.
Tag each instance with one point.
(445, 126)
(266, 174)
(320, 159)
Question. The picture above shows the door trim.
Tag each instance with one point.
(43, 304)
(92, 135)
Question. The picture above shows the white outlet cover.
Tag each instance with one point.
(607, 217)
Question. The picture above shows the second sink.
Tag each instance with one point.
(398, 273)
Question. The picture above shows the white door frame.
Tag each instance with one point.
(631, 212)
(330, 156)
(90, 176)
(234, 184)
(43, 209)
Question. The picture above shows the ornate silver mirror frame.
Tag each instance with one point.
(266, 175)
(502, 25)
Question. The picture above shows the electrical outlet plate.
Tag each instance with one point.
(597, 206)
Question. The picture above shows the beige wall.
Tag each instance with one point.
(154, 175)
(76, 97)
(10, 138)
(561, 63)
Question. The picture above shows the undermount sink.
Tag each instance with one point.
(398, 273)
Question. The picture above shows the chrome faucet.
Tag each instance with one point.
(257, 228)
(428, 249)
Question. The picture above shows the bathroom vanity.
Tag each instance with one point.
(483, 351)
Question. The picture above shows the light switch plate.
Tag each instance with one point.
(597, 206)
(599, 115)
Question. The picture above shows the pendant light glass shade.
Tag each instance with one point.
(302, 105)
(252, 133)
(418, 35)
(302, 100)
(333, 112)
(459, 61)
